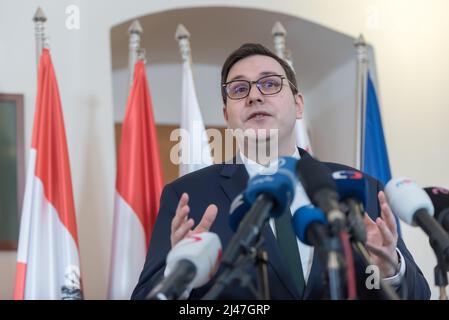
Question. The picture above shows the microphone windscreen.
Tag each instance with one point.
(239, 208)
(314, 176)
(203, 250)
(280, 184)
(303, 218)
(351, 184)
(405, 198)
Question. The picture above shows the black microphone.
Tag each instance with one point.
(440, 200)
(317, 181)
(413, 206)
(352, 185)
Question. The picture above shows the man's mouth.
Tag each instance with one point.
(259, 115)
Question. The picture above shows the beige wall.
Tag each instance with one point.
(411, 48)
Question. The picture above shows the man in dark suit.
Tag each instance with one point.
(205, 195)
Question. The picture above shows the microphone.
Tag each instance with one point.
(279, 185)
(239, 207)
(268, 195)
(440, 200)
(351, 186)
(310, 226)
(191, 263)
(317, 181)
(414, 207)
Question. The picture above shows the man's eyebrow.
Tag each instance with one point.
(264, 73)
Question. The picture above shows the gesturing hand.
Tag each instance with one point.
(382, 235)
(181, 225)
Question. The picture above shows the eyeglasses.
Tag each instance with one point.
(267, 85)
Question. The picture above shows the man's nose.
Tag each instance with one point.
(254, 95)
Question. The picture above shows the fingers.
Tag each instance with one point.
(181, 212)
(369, 223)
(387, 214)
(180, 224)
(208, 219)
(181, 232)
(387, 236)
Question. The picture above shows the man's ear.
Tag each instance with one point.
(299, 104)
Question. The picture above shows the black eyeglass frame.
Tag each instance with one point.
(256, 82)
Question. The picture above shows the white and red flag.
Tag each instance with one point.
(195, 142)
(48, 263)
(139, 185)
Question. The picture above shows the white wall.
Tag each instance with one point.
(165, 82)
(411, 47)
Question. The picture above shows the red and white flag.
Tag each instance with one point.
(48, 264)
(138, 188)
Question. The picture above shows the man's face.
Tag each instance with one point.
(258, 111)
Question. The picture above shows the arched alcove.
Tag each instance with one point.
(325, 62)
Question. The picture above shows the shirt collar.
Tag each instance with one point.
(253, 168)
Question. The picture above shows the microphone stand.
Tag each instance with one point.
(334, 269)
(262, 274)
(440, 273)
(243, 249)
(335, 262)
(254, 255)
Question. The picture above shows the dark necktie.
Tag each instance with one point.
(286, 239)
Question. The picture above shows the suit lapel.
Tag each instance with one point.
(315, 282)
(236, 179)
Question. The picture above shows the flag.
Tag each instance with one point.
(48, 264)
(375, 154)
(302, 136)
(139, 185)
(195, 150)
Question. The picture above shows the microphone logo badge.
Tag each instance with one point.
(403, 182)
(347, 174)
(440, 191)
(195, 237)
(282, 162)
(261, 179)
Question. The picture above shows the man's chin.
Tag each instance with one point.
(261, 133)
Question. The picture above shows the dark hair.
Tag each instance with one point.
(251, 49)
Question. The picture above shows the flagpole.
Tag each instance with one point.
(362, 76)
(195, 149)
(182, 35)
(39, 19)
(279, 33)
(135, 32)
